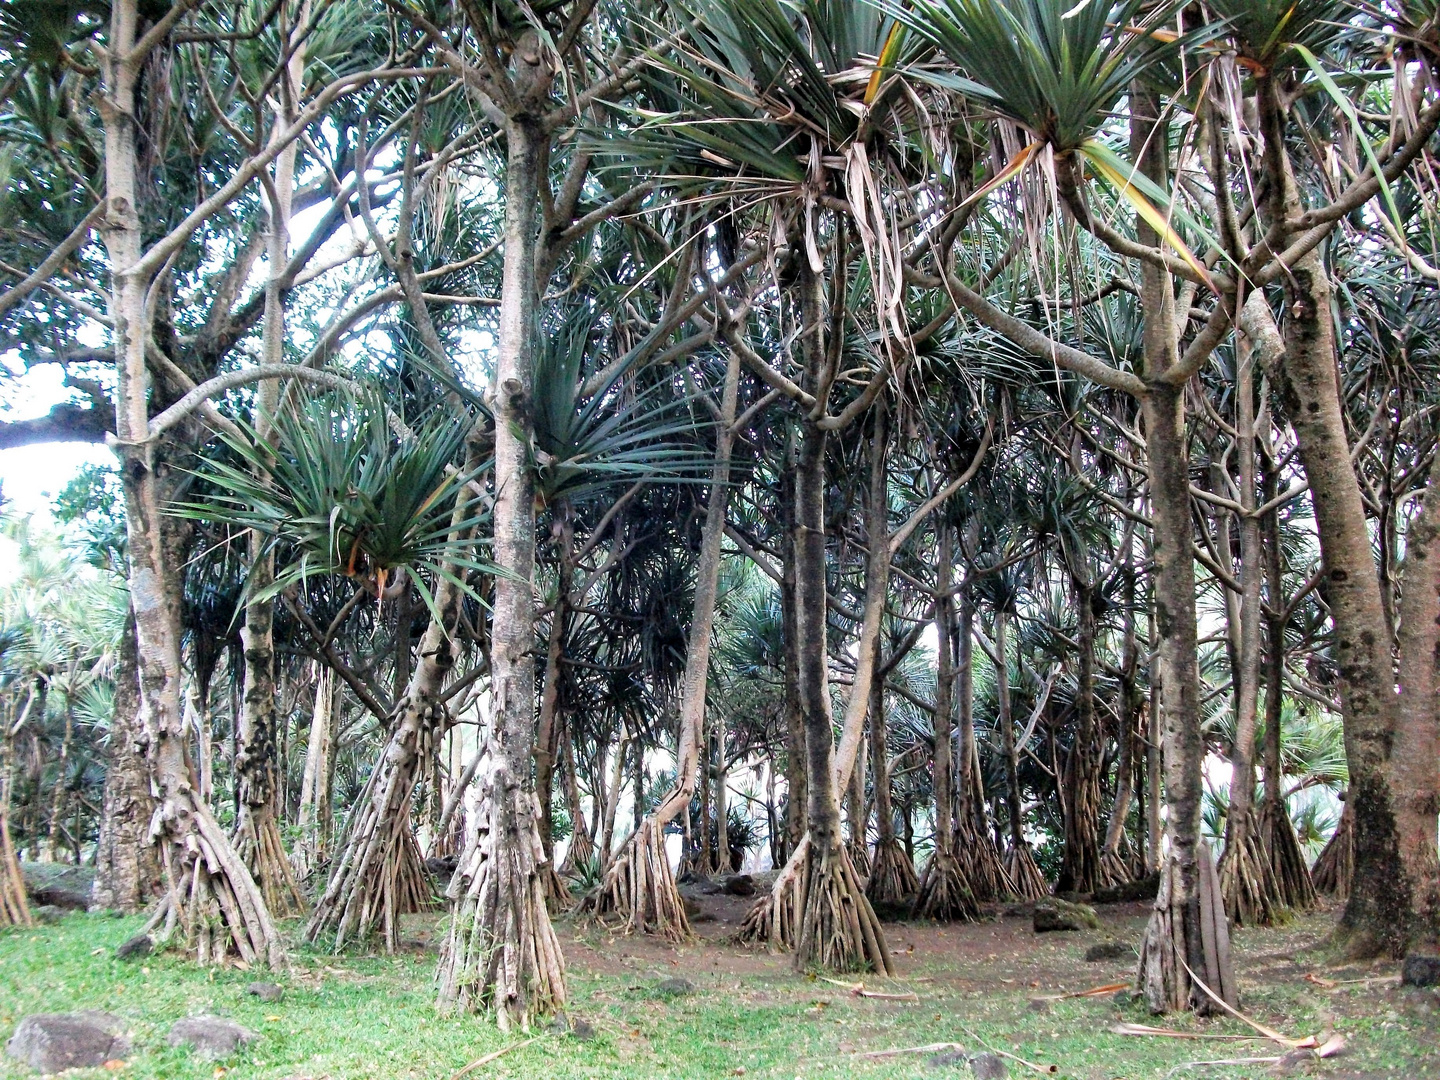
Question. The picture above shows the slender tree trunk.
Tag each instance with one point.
(945, 891)
(641, 883)
(1384, 913)
(795, 754)
(1246, 876)
(212, 896)
(1287, 861)
(1184, 934)
(582, 847)
(1115, 868)
(722, 825)
(1080, 865)
(892, 875)
(502, 952)
(1415, 778)
(548, 736)
(837, 927)
(315, 784)
(127, 870)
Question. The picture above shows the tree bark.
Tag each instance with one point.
(1080, 864)
(1176, 939)
(211, 895)
(127, 870)
(502, 951)
(1383, 913)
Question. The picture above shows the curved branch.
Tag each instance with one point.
(232, 379)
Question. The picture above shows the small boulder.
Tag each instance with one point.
(1109, 950)
(1144, 888)
(53, 1042)
(210, 1036)
(134, 948)
(266, 991)
(738, 885)
(442, 869)
(47, 913)
(1420, 970)
(66, 887)
(675, 987)
(988, 1067)
(1055, 914)
(948, 1059)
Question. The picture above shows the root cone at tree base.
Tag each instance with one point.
(1334, 870)
(1247, 882)
(1184, 938)
(501, 953)
(838, 927)
(1025, 877)
(945, 893)
(892, 881)
(774, 919)
(1295, 890)
(640, 887)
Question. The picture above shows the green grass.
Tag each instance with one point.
(374, 1017)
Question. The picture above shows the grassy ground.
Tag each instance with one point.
(364, 1016)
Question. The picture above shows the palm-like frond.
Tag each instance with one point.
(340, 493)
(1055, 68)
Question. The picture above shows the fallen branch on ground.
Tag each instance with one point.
(485, 1059)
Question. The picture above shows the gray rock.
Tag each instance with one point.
(47, 913)
(1420, 970)
(988, 1067)
(266, 991)
(675, 987)
(948, 1059)
(57, 885)
(210, 1036)
(1109, 950)
(738, 885)
(1143, 888)
(134, 948)
(53, 1042)
(1055, 914)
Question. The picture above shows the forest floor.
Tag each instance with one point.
(745, 1013)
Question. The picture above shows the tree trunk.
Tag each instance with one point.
(1080, 864)
(944, 891)
(838, 929)
(1247, 879)
(892, 879)
(1115, 867)
(501, 951)
(127, 872)
(1182, 937)
(1383, 913)
(547, 739)
(1415, 778)
(796, 797)
(211, 896)
(315, 809)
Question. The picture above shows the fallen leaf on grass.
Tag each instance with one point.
(1170, 1033)
(1094, 991)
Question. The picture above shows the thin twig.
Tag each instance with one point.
(485, 1059)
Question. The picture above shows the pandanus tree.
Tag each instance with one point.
(1396, 896)
(802, 125)
(1058, 73)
